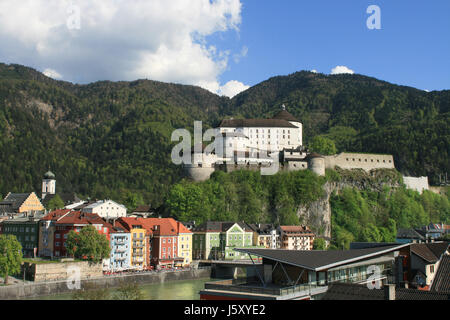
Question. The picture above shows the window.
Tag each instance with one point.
(58, 236)
(168, 240)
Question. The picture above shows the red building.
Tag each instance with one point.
(75, 220)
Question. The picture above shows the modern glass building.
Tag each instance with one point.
(301, 275)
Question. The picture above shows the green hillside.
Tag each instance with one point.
(112, 139)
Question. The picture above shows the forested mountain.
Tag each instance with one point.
(112, 139)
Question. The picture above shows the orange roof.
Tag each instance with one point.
(167, 226)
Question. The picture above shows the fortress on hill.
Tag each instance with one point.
(253, 144)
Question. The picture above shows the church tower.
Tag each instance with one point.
(48, 184)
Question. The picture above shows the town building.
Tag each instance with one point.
(47, 232)
(216, 240)
(15, 203)
(265, 235)
(26, 229)
(140, 253)
(165, 239)
(424, 262)
(55, 227)
(107, 209)
(184, 243)
(306, 274)
(296, 238)
(121, 246)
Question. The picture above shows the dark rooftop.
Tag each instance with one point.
(318, 260)
(430, 252)
(441, 281)
(258, 123)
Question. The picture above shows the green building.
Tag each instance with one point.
(26, 230)
(217, 240)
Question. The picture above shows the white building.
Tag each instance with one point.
(283, 131)
(107, 209)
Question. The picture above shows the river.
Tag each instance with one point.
(175, 290)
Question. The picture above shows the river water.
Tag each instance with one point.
(175, 290)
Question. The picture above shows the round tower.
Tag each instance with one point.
(48, 184)
(316, 163)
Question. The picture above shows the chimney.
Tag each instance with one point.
(389, 292)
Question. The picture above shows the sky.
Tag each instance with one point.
(226, 46)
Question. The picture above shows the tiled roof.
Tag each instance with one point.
(441, 281)
(291, 230)
(409, 234)
(77, 217)
(350, 291)
(318, 260)
(166, 226)
(256, 123)
(430, 252)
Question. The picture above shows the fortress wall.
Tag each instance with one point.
(360, 161)
(418, 184)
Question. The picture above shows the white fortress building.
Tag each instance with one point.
(255, 143)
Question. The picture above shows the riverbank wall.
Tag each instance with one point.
(30, 290)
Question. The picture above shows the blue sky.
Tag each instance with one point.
(227, 45)
(412, 48)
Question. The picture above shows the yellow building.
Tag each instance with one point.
(184, 243)
(21, 203)
(138, 257)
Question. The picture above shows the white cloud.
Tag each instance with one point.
(52, 73)
(121, 39)
(341, 69)
(232, 88)
(314, 71)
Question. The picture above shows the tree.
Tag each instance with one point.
(88, 244)
(319, 244)
(55, 203)
(323, 145)
(129, 291)
(10, 256)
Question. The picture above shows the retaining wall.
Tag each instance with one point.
(18, 292)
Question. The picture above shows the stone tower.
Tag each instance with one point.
(316, 163)
(48, 184)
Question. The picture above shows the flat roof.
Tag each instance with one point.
(318, 260)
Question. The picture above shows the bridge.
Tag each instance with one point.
(231, 268)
